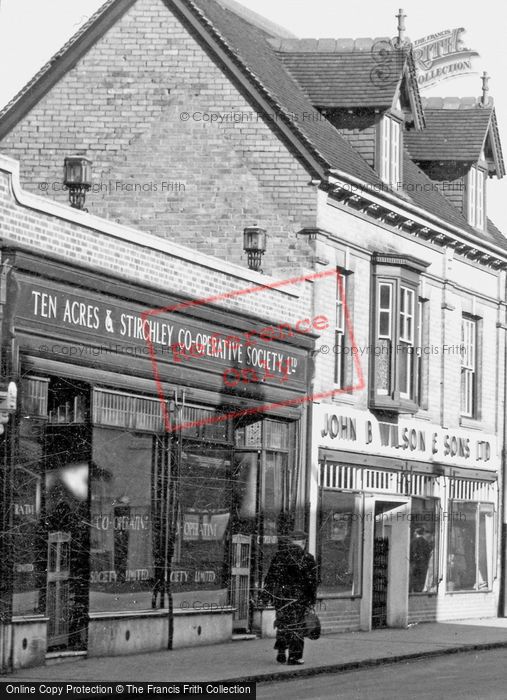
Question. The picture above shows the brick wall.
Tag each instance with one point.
(450, 178)
(44, 226)
(359, 129)
(451, 286)
(122, 105)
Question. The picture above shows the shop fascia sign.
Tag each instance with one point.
(342, 428)
(442, 56)
(96, 319)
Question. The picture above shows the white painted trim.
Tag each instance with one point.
(131, 235)
(398, 206)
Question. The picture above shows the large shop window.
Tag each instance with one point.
(29, 538)
(470, 548)
(424, 538)
(50, 513)
(122, 542)
(397, 333)
(199, 574)
(340, 543)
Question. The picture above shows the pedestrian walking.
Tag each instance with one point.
(291, 585)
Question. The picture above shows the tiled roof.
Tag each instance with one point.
(248, 46)
(423, 192)
(344, 78)
(450, 134)
(258, 55)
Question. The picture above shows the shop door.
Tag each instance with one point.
(380, 582)
(58, 589)
(240, 579)
(244, 527)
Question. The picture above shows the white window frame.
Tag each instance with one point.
(390, 150)
(388, 310)
(339, 364)
(407, 318)
(468, 367)
(476, 197)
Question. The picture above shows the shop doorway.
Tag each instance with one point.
(380, 582)
(67, 521)
(390, 563)
(58, 589)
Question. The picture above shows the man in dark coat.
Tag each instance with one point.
(420, 553)
(291, 584)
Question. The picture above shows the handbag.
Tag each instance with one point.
(312, 625)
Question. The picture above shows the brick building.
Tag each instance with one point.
(133, 473)
(201, 119)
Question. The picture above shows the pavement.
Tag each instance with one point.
(254, 660)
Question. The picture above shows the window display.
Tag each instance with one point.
(340, 543)
(470, 546)
(199, 572)
(28, 537)
(121, 549)
(424, 537)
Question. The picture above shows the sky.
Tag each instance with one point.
(31, 31)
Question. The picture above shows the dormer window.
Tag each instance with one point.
(476, 197)
(390, 151)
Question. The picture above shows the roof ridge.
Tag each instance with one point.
(330, 45)
(456, 103)
(257, 20)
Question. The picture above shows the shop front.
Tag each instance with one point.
(148, 480)
(406, 524)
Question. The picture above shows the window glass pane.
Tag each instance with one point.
(472, 184)
(384, 324)
(339, 375)
(200, 562)
(277, 435)
(461, 551)
(277, 488)
(385, 125)
(424, 537)
(122, 538)
(248, 435)
(486, 553)
(30, 545)
(405, 369)
(340, 543)
(383, 366)
(68, 457)
(385, 296)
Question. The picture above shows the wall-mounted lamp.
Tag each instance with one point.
(77, 176)
(254, 245)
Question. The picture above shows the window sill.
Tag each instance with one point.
(426, 594)
(343, 397)
(423, 414)
(386, 403)
(470, 423)
(468, 592)
(341, 596)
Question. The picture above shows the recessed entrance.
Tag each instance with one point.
(389, 568)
